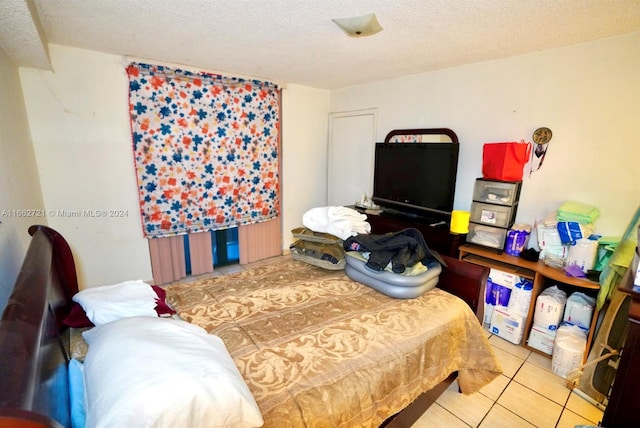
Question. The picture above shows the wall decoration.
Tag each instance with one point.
(541, 137)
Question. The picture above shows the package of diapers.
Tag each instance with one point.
(549, 308)
(579, 310)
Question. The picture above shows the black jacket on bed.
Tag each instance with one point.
(403, 249)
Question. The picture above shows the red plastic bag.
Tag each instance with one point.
(505, 161)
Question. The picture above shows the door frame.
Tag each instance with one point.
(373, 112)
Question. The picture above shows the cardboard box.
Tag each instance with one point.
(503, 278)
(542, 339)
(506, 325)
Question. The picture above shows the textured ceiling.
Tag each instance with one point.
(295, 41)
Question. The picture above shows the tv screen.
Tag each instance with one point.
(417, 178)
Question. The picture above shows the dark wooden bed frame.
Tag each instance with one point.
(33, 374)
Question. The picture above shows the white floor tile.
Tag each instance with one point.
(584, 408)
(531, 406)
(499, 417)
(510, 363)
(495, 388)
(542, 361)
(438, 417)
(568, 419)
(543, 382)
(470, 408)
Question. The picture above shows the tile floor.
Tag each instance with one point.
(527, 394)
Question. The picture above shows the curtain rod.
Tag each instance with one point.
(196, 70)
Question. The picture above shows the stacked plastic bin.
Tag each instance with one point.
(493, 212)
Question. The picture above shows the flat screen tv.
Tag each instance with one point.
(416, 178)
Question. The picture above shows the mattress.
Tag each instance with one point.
(318, 349)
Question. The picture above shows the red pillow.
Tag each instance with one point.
(162, 308)
(77, 318)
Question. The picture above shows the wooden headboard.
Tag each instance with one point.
(33, 373)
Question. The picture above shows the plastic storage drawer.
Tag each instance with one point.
(492, 215)
(487, 236)
(496, 192)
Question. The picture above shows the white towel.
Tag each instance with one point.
(345, 228)
(342, 222)
(316, 219)
(344, 213)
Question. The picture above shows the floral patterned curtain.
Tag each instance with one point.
(205, 149)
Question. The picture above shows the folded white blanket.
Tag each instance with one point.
(344, 213)
(346, 228)
(342, 222)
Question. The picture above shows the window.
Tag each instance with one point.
(224, 247)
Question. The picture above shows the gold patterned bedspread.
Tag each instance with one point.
(317, 349)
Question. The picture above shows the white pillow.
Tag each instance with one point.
(112, 302)
(161, 372)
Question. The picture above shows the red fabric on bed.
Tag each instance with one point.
(162, 308)
(77, 317)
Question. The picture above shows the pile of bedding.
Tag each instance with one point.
(319, 249)
(342, 222)
(134, 367)
(320, 241)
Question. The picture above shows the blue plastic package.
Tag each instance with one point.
(569, 231)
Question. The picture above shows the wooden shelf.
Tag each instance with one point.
(505, 267)
(522, 265)
(542, 277)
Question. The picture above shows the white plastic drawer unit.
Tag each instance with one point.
(492, 215)
(487, 236)
(497, 192)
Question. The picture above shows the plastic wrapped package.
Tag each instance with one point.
(489, 303)
(495, 295)
(579, 310)
(506, 325)
(549, 309)
(571, 231)
(552, 251)
(583, 253)
(520, 299)
(542, 339)
(498, 291)
(568, 349)
(517, 238)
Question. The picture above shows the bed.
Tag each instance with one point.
(313, 347)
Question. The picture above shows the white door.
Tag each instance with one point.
(352, 137)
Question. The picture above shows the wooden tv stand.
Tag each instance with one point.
(438, 237)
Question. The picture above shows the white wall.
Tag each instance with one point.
(304, 152)
(20, 196)
(588, 95)
(81, 133)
